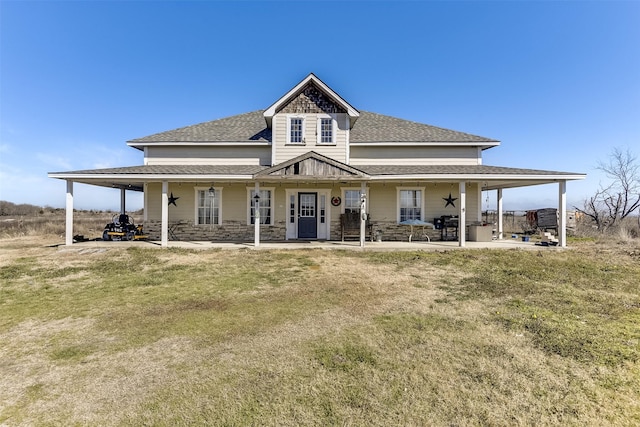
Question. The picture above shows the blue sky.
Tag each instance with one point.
(558, 83)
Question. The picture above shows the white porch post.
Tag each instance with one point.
(256, 216)
(145, 200)
(562, 213)
(462, 217)
(69, 215)
(500, 223)
(123, 201)
(164, 239)
(363, 213)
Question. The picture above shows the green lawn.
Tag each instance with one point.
(310, 337)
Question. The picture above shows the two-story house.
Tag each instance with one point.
(293, 170)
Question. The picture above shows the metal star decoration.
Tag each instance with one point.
(449, 200)
(172, 200)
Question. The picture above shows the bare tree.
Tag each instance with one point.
(621, 197)
(593, 207)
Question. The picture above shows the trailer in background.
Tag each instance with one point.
(541, 220)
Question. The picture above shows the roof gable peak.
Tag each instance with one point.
(311, 81)
(312, 165)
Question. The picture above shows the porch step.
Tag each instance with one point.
(549, 239)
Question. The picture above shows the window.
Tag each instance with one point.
(208, 209)
(323, 209)
(265, 203)
(351, 201)
(295, 133)
(325, 130)
(410, 204)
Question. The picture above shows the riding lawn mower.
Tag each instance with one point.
(122, 227)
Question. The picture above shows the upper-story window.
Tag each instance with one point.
(295, 130)
(326, 134)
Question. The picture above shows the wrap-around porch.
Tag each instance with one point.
(168, 227)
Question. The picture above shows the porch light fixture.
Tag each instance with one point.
(212, 191)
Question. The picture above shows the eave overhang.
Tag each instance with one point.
(490, 177)
(141, 144)
(490, 182)
(314, 167)
(483, 145)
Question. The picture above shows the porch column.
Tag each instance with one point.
(145, 193)
(164, 233)
(256, 216)
(123, 201)
(462, 214)
(69, 215)
(500, 223)
(363, 213)
(562, 214)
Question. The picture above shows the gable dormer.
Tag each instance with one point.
(310, 117)
(309, 96)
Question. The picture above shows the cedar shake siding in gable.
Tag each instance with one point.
(311, 100)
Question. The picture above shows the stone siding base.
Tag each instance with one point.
(229, 231)
(233, 231)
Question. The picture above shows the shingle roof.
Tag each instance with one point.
(370, 127)
(371, 170)
(172, 170)
(373, 127)
(247, 127)
(377, 170)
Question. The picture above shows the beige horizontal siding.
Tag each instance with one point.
(382, 201)
(190, 155)
(285, 152)
(413, 156)
(234, 201)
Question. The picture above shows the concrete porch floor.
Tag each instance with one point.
(324, 244)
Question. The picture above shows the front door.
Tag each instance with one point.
(307, 216)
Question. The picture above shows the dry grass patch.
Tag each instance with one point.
(310, 337)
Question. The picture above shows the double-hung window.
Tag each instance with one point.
(326, 131)
(410, 204)
(351, 201)
(208, 206)
(295, 130)
(265, 202)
